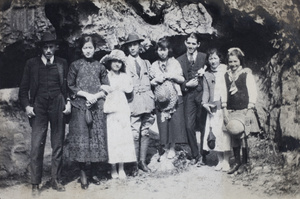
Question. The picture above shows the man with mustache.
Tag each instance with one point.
(192, 63)
(43, 94)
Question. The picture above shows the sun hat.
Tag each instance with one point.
(166, 95)
(114, 55)
(132, 38)
(235, 127)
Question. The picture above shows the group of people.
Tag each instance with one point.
(111, 104)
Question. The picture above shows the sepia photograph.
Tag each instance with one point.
(149, 99)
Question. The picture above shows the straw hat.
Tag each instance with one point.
(235, 127)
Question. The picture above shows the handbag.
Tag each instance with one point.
(211, 139)
(88, 117)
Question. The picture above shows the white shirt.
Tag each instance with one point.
(44, 59)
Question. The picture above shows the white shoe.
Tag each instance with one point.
(226, 167)
(219, 166)
(171, 154)
(122, 174)
(114, 175)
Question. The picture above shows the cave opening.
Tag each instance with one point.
(234, 29)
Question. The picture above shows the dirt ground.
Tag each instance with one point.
(195, 182)
(269, 176)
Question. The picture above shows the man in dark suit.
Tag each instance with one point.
(192, 63)
(43, 94)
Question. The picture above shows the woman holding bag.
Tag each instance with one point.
(213, 93)
(87, 127)
(166, 77)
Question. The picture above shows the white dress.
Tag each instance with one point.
(119, 136)
(223, 140)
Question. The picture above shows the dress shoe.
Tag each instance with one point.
(143, 166)
(95, 180)
(200, 162)
(83, 180)
(195, 160)
(234, 168)
(56, 185)
(35, 190)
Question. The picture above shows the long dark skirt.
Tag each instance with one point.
(172, 130)
(87, 145)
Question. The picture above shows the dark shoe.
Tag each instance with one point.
(195, 160)
(234, 168)
(95, 180)
(83, 180)
(35, 190)
(143, 166)
(56, 185)
(200, 162)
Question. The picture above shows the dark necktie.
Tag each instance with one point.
(48, 62)
(191, 60)
(138, 68)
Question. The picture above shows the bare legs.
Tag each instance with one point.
(223, 158)
(118, 173)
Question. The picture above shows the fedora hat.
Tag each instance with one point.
(48, 37)
(114, 55)
(132, 38)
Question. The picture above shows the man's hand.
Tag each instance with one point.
(67, 110)
(29, 111)
(192, 83)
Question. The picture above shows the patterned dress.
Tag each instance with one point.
(87, 144)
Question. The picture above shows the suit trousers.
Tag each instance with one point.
(195, 116)
(47, 110)
(140, 125)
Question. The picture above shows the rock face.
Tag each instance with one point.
(15, 136)
(267, 31)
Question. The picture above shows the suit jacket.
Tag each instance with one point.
(29, 84)
(143, 97)
(185, 64)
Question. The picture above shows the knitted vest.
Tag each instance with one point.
(240, 99)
